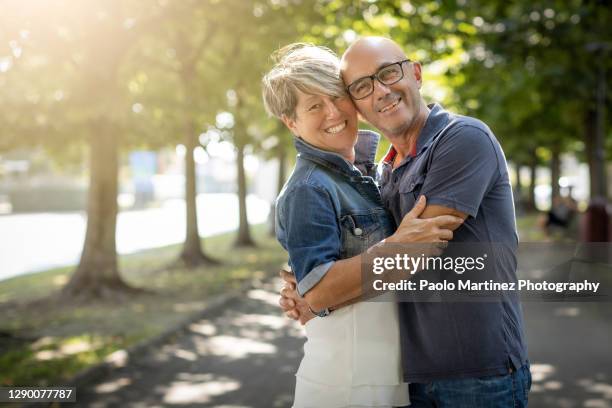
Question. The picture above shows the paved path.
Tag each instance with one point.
(245, 356)
(570, 347)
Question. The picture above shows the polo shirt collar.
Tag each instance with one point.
(437, 120)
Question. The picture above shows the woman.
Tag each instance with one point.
(328, 211)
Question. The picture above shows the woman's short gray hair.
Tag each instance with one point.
(305, 67)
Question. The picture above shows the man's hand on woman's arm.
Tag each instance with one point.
(343, 282)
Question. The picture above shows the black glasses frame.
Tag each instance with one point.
(375, 76)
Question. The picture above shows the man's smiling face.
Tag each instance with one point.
(393, 108)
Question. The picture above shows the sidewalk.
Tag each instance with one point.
(570, 348)
(246, 357)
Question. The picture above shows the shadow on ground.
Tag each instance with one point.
(570, 351)
(246, 356)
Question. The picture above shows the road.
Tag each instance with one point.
(34, 242)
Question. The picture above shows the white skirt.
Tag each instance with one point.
(352, 359)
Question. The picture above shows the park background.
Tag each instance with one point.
(138, 172)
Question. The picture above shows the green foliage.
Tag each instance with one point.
(528, 69)
(533, 68)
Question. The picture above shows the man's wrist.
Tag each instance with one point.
(374, 248)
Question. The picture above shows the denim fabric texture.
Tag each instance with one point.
(329, 209)
(505, 391)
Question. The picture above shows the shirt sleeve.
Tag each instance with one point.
(312, 234)
(463, 168)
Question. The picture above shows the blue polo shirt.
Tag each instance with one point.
(458, 163)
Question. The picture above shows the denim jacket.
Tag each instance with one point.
(330, 209)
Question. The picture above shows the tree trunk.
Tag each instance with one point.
(518, 187)
(244, 233)
(97, 275)
(531, 201)
(280, 182)
(589, 148)
(192, 254)
(555, 172)
(597, 171)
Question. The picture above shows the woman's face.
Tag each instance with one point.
(325, 122)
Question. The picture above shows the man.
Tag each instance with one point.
(453, 354)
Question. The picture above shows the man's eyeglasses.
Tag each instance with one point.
(387, 75)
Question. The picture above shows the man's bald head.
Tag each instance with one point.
(366, 46)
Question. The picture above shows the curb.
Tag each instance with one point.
(96, 372)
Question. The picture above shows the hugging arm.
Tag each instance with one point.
(342, 284)
(432, 211)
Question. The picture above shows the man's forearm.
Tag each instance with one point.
(343, 284)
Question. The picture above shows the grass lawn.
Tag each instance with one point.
(47, 345)
(530, 231)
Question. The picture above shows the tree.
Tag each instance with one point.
(553, 41)
(505, 62)
(252, 32)
(97, 273)
(277, 146)
(180, 53)
(84, 45)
